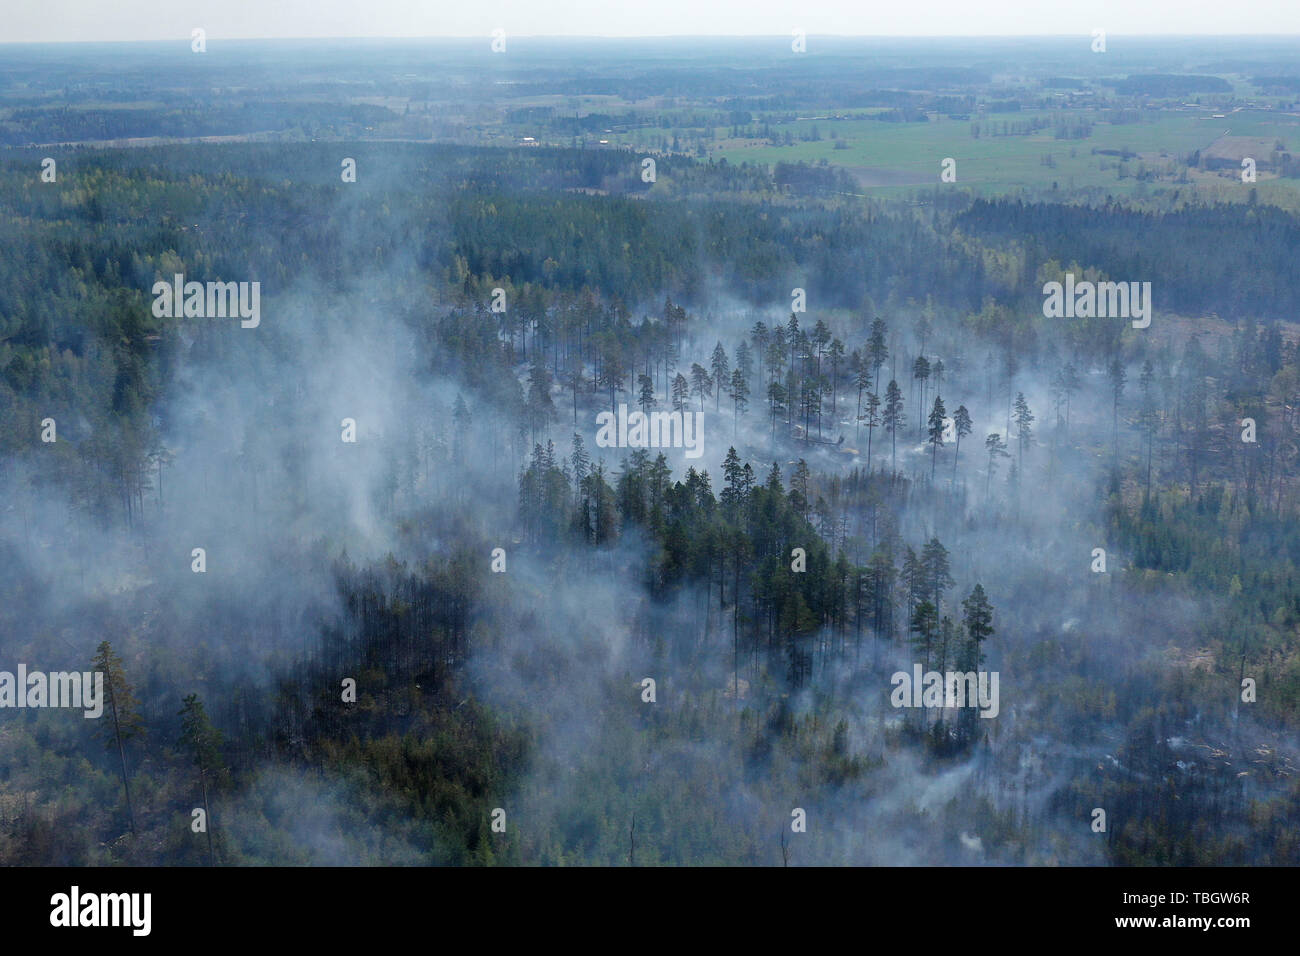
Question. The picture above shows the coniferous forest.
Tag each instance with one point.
(377, 571)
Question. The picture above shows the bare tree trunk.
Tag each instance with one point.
(121, 754)
(207, 816)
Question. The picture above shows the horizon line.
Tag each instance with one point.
(185, 38)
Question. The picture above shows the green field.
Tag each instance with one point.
(889, 155)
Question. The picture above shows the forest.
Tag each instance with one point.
(430, 644)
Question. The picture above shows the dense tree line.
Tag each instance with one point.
(1200, 259)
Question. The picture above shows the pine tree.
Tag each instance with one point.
(978, 619)
(935, 571)
(877, 350)
(541, 409)
(580, 461)
(646, 398)
(123, 709)
(836, 354)
(799, 480)
(862, 380)
(773, 483)
(978, 622)
(701, 382)
(776, 397)
(893, 419)
(924, 626)
(873, 420)
(681, 392)
(776, 354)
(739, 396)
(962, 423)
(762, 339)
(613, 372)
(920, 374)
(203, 743)
(936, 422)
(731, 473)
(1024, 431)
(721, 372)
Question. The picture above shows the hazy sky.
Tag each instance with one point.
(56, 20)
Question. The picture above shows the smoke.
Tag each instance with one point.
(257, 473)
